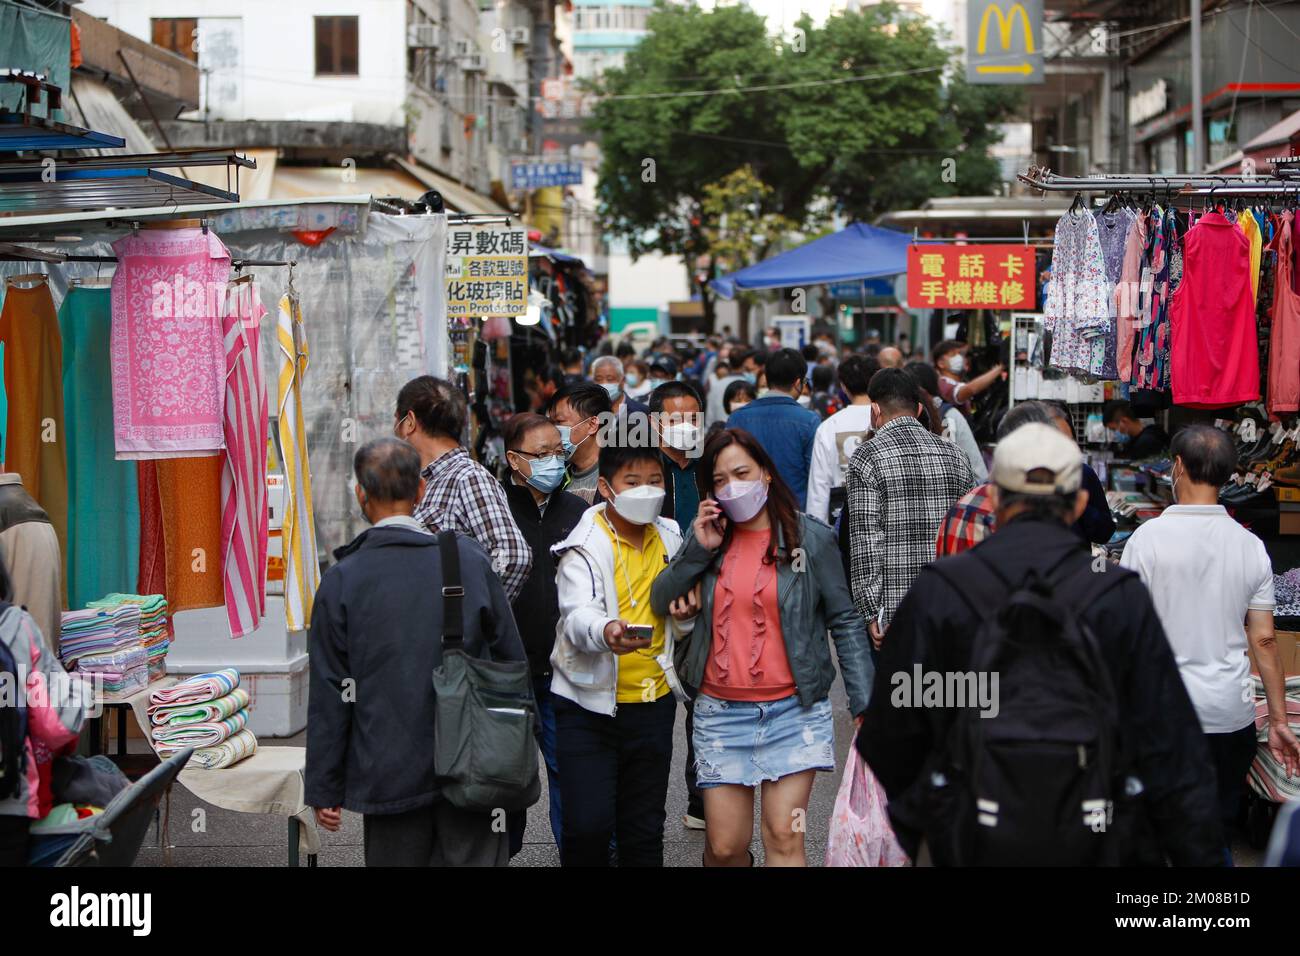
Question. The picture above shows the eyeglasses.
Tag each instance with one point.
(537, 454)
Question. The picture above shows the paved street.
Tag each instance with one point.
(240, 839)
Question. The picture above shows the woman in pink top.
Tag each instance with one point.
(770, 585)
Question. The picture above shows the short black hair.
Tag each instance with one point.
(739, 354)
(625, 349)
(733, 392)
(551, 373)
(439, 406)
(1116, 409)
(669, 390)
(571, 357)
(784, 367)
(894, 390)
(517, 427)
(823, 377)
(855, 373)
(388, 469)
(944, 347)
(585, 398)
(925, 375)
(617, 455)
(1208, 454)
(811, 353)
(1034, 411)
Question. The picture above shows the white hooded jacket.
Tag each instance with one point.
(585, 670)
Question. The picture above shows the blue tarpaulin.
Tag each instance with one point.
(857, 252)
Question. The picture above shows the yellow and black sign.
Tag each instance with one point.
(1004, 41)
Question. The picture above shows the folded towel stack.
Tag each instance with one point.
(207, 711)
(124, 671)
(155, 626)
(98, 631)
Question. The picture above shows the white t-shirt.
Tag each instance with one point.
(836, 440)
(1204, 572)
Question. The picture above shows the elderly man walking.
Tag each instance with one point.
(376, 637)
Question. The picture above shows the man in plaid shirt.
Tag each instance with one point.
(968, 522)
(459, 494)
(901, 482)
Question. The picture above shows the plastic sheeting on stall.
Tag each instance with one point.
(374, 312)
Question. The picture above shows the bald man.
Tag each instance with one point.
(890, 357)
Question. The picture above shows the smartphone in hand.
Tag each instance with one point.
(639, 632)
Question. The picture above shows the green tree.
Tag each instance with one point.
(861, 112)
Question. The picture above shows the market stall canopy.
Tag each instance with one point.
(556, 254)
(458, 198)
(858, 251)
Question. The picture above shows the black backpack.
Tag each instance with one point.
(13, 724)
(1039, 781)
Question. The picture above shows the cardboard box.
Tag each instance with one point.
(1288, 648)
(1288, 522)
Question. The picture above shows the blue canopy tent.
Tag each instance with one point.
(858, 251)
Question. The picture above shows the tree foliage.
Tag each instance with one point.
(861, 111)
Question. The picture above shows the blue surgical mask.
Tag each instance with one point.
(750, 377)
(1116, 437)
(633, 379)
(566, 431)
(547, 473)
(613, 389)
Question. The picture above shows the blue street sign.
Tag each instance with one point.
(540, 175)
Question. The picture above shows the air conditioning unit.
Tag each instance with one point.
(520, 36)
(463, 48)
(474, 63)
(424, 36)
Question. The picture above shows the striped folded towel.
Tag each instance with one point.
(169, 740)
(229, 751)
(178, 715)
(198, 689)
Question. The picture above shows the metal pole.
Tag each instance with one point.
(1198, 143)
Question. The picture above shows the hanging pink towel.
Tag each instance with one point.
(243, 480)
(167, 354)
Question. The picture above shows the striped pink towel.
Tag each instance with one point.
(198, 689)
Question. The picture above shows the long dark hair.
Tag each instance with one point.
(782, 509)
(927, 387)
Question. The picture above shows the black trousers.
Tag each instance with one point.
(1232, 755)
(13, 840)
(437, 835)
(614, 781)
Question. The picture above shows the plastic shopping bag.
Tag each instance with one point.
(860, 834)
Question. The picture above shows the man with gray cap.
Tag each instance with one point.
(942, 628)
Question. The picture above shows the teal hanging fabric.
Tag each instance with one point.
(104, 510)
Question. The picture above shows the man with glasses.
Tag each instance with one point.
(577, 410)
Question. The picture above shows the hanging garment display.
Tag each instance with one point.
(167, 355)
(1151, 345)
(1215, 351)
(1284, 343)
(1112, 232)
(152, 575)
(1077, 307)
(1250, 228)
(243, 479)
(189, 500)
(298, 530)
(1127, 296)
(103, 551)
(36, 442)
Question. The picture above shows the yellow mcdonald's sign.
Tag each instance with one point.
(1005, 23)
(1009, 60)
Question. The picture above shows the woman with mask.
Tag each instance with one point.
(771, 585)
(545, 516)
(636, 383)
(614, 683)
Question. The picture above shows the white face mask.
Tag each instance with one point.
(682, 436)
(957, 363)
(639, 505)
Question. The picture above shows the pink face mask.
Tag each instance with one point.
(741, 500)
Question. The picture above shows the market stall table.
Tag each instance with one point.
(271, 781)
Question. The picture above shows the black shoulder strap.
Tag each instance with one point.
(1078, 590)
(453, 594)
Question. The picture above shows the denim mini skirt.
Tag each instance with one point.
(747, 742)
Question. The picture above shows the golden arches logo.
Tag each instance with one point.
(1006, 23)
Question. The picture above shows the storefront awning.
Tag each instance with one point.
(301, 182)
(458, 198)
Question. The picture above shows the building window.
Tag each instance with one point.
(337, 46)
(178, 34)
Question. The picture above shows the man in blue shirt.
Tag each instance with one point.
(782, 426)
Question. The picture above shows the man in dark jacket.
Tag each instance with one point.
(545, 515)
(1037, 473)
(375, 640)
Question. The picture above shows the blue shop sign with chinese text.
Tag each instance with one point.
(541, 175)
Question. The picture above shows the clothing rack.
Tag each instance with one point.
(12, 253)
(1284, 182)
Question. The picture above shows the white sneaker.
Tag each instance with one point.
(693, 823)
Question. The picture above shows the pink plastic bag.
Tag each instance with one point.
(860, 834)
